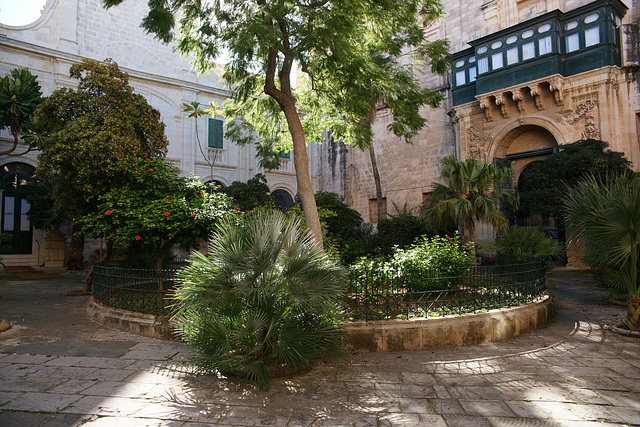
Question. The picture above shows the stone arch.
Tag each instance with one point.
(526, 140)
(45, 15)
(504, 136)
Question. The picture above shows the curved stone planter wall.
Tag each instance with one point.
(382, 335)
(448, 331)
(146, 325)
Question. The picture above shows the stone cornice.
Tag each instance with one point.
(7, 43)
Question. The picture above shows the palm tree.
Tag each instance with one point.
(470, 192)
(263, 301)
(20, 94)
(603, 215)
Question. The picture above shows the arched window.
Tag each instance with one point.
(283, 199)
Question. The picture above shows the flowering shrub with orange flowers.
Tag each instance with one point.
(158, 209)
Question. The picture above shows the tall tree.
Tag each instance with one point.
(265, 39)
(98, 133)
(20, 94)
(470, 192)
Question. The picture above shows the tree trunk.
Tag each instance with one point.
(284, 97)
(76, 257)
(376, 179)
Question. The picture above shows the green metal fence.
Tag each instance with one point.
(374, 296)
(135, 289)
(382, 295)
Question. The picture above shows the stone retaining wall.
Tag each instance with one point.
(378, 336)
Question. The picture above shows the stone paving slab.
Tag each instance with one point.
(572, 373)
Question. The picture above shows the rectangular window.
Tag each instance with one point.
(460, 80)
(215, 133)
(512, 56)
(284, 154)
(472, 74)
(591, 36)
(572, 42)
(9, 211)
(483, 65)
(528, 51)
(544, 45)
(25, 225)
(496, 61)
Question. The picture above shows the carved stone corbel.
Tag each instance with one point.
(517, 98)
(555, 86)
(500, 102)
(485, 104)
(535, 93)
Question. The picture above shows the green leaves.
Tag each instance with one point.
(262, 302)
(603, 215)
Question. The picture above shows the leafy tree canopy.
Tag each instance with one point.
(251, 194)
(331, 41)
(157, 209)
(543, 186)
(97, 134)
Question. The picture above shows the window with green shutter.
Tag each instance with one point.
(215, 133)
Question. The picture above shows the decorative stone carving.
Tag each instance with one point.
(477, 141)
(535, 93)
(486, 106)
(555, 86)
(517, 98)
(500, 102)
(584, 110)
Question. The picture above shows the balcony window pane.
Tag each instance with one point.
(591, 36)
(528, 51)
(544, 45)
(512, 56)
(526, 34)
(483, 65)
(571, 25)
(460, 63)
(591, 18)
(573, 42)
(472, 74)
(512, 39)
(460, 78)
(496, 45)
(544, 28)
(472, 60)
(481, 50)
(496, 61)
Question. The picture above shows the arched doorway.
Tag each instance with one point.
(15, 223)
(524, 145)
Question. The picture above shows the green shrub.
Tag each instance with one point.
(519, 243)
(430, 263)
(400, 230)
(262, 302)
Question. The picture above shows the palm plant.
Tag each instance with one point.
(262, 302)
(471, 191)
(603, 215)
(524, 242)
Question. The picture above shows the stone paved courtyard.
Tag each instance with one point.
(59, 369)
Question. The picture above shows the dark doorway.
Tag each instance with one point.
(15, 223)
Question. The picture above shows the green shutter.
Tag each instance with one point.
(215, 133)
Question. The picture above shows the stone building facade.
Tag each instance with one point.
(69, 31)
(527, 76)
